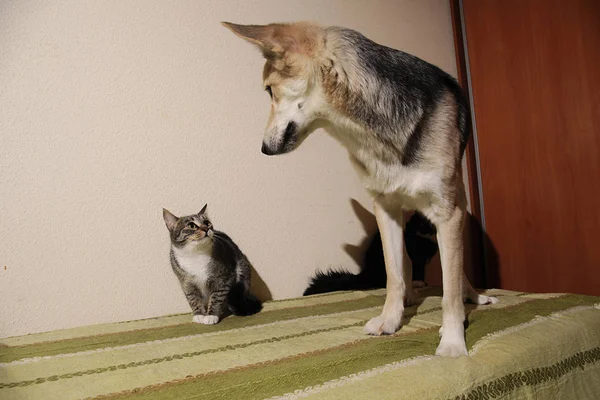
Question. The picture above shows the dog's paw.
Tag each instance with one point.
(482, 300)
(206, 319)
(452, 350)
(383, 326)
(418, 284)
(451, 345)
(411, 298)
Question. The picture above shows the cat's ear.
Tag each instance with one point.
(203, 210)
(170, 219)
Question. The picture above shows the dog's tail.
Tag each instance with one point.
(242, 302)
(336, 280)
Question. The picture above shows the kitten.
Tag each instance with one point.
(213, 272)
(420, 249)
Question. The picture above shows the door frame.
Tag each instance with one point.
(475, 223)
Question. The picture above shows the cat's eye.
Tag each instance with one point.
(192, 225)
(268, 89)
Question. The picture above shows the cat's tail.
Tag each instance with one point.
(242, 302)
(336, 280)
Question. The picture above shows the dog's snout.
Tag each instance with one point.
(266, 150)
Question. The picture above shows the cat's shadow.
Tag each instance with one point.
(259, 288)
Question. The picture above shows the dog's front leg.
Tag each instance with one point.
(398, 269)
(450, 242)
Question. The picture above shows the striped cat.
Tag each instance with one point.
(213, 272)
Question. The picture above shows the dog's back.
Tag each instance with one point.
(405, 96)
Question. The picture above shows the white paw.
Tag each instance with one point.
(481, 299)
(451, 345)
(383, 326)
(206, 319)
(452, 350)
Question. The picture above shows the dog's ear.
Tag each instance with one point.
(262, 36)
(276, 39)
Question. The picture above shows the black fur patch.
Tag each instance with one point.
(410, 154)
(288, 135)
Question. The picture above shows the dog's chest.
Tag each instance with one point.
(412, 187)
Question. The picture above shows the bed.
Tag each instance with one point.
(529, 346)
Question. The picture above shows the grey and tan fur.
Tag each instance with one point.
(213, 272)
(404, 124)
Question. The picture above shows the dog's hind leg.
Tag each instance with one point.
(471, 294)
(450, 241)
(398, 269)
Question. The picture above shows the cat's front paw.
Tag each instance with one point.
(206, 319)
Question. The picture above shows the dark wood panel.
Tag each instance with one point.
(535, 79)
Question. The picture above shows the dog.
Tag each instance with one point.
(404, 123)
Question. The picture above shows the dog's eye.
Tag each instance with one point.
(192, 225)
(268, 89)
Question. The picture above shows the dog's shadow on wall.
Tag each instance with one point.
(486, 275)
(480, 277)
(369, 224)
(482, 263)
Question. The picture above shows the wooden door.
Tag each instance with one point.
(535, 79)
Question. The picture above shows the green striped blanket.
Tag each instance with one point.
(527, 346)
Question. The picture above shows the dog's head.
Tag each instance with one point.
(289, 79)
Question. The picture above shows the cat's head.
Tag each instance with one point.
(195, 228)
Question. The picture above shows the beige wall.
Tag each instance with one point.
(111, 110)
